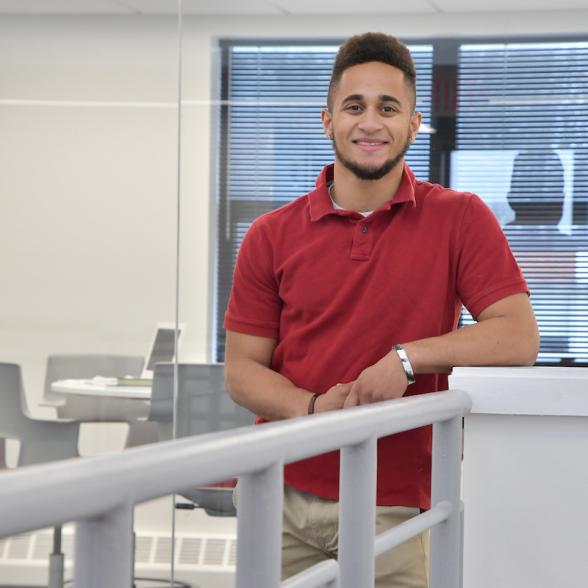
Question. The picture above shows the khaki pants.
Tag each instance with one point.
(310, 535)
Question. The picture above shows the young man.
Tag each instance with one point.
(334, 290)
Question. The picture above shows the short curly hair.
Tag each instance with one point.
(372, 47)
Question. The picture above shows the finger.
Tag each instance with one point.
(358, 391)
(346, 388)
(352, 399)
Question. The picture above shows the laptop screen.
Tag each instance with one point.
(163, 348)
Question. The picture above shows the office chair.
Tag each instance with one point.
(40, 441)
(203, 406)
(94, 408)
(43, 441)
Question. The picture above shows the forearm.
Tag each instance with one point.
(505, 334)
(495, 341)
(263, 391)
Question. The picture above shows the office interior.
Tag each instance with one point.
(112, 178)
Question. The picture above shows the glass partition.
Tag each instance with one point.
(88, 239)
(205, 518)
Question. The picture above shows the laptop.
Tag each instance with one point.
(162, 350)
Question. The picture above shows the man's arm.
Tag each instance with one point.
(253, 384)
(506, 334)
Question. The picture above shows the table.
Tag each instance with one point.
(101, 387)
(100, 400)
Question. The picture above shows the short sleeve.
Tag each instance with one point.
(254, 304)
(486, 270)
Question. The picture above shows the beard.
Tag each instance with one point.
(364, 172)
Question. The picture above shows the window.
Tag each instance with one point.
(522, 145)
(509, 122)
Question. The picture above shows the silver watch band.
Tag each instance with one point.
(405, 364)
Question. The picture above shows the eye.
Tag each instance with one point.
(389, 109)
(353, 108)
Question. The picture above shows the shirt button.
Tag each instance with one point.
(364, 229)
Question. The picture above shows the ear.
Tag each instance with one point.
(327, 120)
(415, 124)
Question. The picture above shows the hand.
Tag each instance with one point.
(333, 398)
(382, 381)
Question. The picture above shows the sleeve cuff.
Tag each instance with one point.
(502, 291)
(252, 328)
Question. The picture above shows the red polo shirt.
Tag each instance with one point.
(337, 290)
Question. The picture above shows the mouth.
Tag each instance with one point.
(370, 145)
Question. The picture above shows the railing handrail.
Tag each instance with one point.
(46, 495)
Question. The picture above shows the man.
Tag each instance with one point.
(327, 286)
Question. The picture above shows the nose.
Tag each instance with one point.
(370, 121)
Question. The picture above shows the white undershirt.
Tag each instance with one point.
(337, 207)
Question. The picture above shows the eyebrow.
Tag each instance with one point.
(381, 98)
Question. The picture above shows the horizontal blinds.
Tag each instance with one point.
(522, 144)
(273, 142)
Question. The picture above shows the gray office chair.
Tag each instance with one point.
(40, 441)
(95, 409)
(204, 406)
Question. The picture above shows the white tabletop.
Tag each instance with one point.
(546, 391)
(101, 387)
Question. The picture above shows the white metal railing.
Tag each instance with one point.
(99, 493)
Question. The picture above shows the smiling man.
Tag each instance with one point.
(351, 294)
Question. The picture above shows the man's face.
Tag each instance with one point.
(371, 122)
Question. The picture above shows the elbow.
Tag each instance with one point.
(529, 347)
(230, 380)
(535, 350)
(521, 347)
(234, 382)
(529, 359)
(526, 338)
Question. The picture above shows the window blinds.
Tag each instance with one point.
(522, 145)
(272, 143)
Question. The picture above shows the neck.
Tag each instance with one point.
(351, 193)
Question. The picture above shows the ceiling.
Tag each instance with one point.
(281, 7)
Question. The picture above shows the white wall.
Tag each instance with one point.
(88, 169)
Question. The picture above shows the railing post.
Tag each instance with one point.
(104, 550)
(446, 481)
(461, 536)
(357, 514)
(259, 530)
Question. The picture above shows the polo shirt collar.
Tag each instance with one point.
(321, 204)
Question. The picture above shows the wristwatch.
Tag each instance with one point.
(405, 364)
